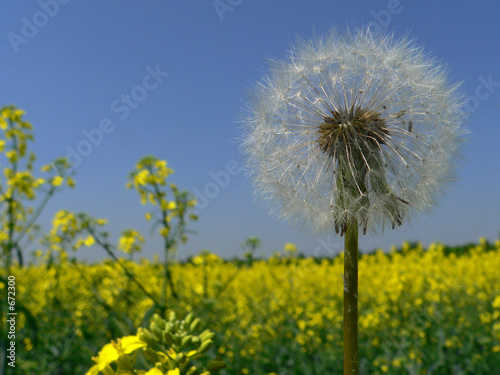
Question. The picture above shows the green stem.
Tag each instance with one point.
(129, 274)
(168, 245)
(35, 215)
(8, 258)
(351, 358)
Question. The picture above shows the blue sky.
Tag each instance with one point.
(70, 63)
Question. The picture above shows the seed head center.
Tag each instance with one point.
(356, 128)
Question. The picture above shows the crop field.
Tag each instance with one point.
(422, 311)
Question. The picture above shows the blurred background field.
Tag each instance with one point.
(422, 311)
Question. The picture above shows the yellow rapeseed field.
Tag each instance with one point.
(422, 311)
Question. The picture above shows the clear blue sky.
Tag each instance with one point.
(70, 71)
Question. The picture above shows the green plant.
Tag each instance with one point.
(169, 347)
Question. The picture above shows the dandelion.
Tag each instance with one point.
(353, 131)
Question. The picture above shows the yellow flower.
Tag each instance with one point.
(57, 181)
(28, 345)
(290, 248)
(38, 182)
(89, 241)
(142, 178)
(107, 355)
(496, 302)
(12, 156)
(166, 205)
(161, 164)
(17, 114)
(46, 168)
(79, 243)
(155, 371)
(130, 344)
(397, 362)
(112, 351)
(70, 182)
(129, 241)
(5, 112)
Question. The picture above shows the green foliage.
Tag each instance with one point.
(182, 343)
(169, 347)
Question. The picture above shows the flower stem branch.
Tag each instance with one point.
(129, 274)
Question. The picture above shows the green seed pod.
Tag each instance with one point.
(146, 336)
(206, 335)
(168, 338)
(181, 358)
(171, 316)
(151, 356)
(158, 321)
(205, 345)
(177, 339)
(186, 341)
(215, 365)
(195, 340)
(156, 331)
(194, 324)
(168, 327)
(143, 333)
(126, 362)
(192, 370)
(189, 318)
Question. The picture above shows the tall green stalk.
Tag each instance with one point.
(351, 357)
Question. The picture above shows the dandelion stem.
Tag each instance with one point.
(351, 358)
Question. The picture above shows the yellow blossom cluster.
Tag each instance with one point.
(18, 183)
(130, 241)
(149, 175)
(149, 179)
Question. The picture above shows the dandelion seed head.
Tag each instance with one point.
(354, 127)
